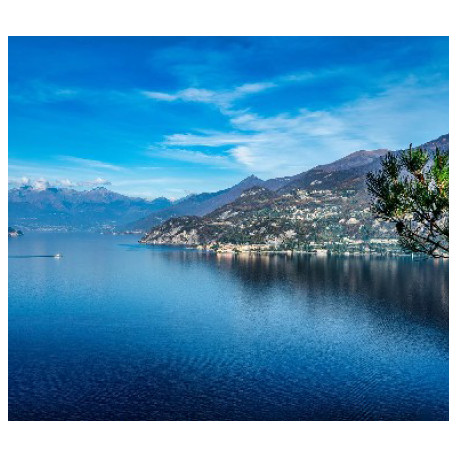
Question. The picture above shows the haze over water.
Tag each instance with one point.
(116, 330)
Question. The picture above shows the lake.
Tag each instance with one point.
(116, 330)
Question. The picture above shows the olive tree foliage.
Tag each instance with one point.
(412, 191)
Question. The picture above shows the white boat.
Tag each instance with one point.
(58, 255)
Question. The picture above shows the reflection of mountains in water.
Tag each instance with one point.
(396, 285)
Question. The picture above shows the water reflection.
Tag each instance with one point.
(418, 289)
(118, 330)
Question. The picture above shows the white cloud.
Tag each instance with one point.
(280, 144)
(91, 163)
(159, 96)
(190, 156)
(200, 95)
(223, 98)
(43, 183)
(312, 123)
(36, 183)
(291, 143)
(244, 155)
(93, 183)
(216, 139)
(40, 92)
(23, 181)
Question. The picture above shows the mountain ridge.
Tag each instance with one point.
(324, 205)
(68, 209)
(102, 209)
(201, 204)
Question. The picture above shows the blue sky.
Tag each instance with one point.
(152, 116)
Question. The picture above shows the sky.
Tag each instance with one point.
(170, 116)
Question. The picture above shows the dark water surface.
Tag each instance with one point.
(115, 330)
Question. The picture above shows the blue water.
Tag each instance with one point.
(116, 330)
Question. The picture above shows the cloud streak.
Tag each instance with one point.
(223, 98)
(168, 111)
(94, 183)
(289, 142)
(91, 163)
(40, 92)
(191, 156)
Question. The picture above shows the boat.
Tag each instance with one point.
(57, 255)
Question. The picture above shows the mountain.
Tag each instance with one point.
(204, 203)
(327, 206)
(339, 185)
(351, 170)
(263, 217)
(219, 225)
(68, 209)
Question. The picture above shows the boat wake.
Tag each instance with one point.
(58, 255)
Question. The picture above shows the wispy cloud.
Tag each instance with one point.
(216, 109)
(221, 98)
(41, 92)
(294, 142)
(90, 163)
(93, 183)
(225, 98)
(191, 156)
(214, 139)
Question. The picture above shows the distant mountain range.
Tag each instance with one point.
(68, 209)
(101, 209)
(327, 204)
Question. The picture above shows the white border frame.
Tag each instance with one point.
(234, 439)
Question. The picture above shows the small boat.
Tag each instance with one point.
(57, 255)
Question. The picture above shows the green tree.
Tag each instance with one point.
(412, 191)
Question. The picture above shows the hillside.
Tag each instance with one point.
(327, 205)
(103, 210)
(351, 170)
(202, 204)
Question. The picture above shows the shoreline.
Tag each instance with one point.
(267, 250)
